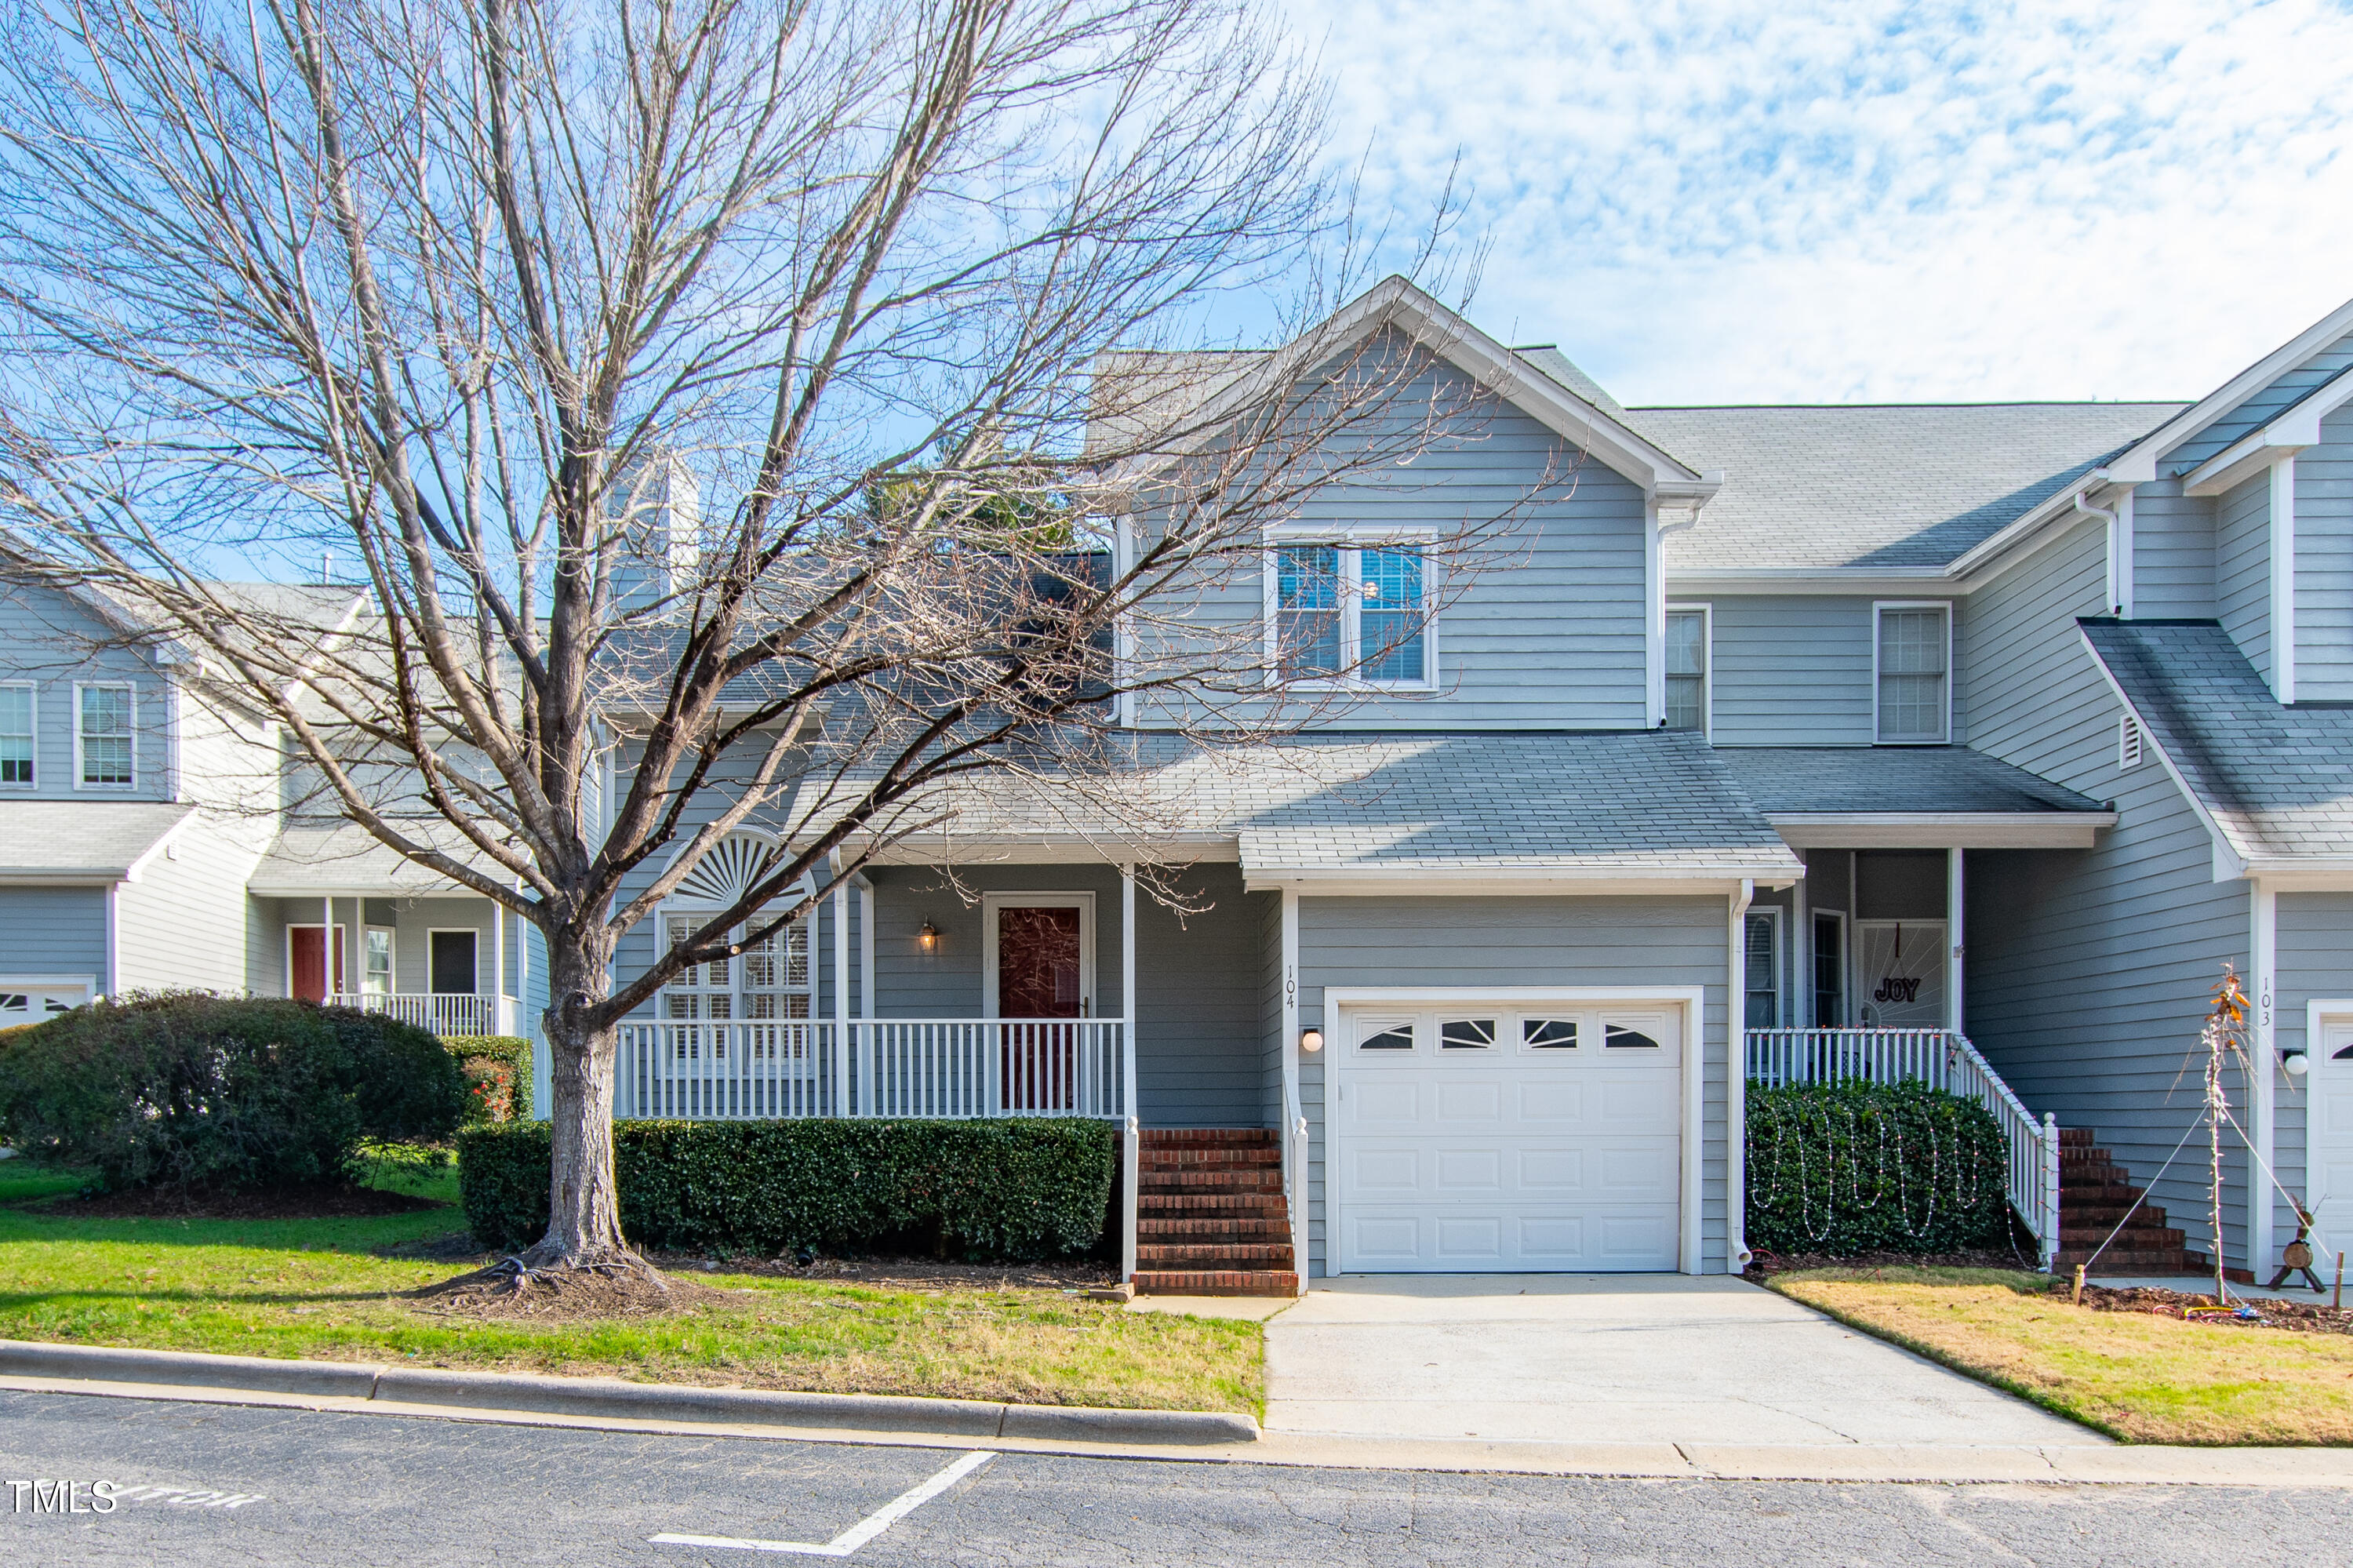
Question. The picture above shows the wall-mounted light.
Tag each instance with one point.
(2295, 1064)
(1311, 1040)
(928, 938)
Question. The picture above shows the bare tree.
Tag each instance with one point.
(727, 386)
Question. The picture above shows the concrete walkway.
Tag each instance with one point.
(1641, 1358)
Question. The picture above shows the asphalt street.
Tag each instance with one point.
(199, 1485)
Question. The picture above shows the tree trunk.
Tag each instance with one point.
(584, 1208)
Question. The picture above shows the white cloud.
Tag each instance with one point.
(1834, 201)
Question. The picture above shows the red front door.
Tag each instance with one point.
(306, 961)
(1040, 973)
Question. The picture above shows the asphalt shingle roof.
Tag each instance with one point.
(1641, 802)
(1792, 779)
(321, 857)
(81, 838)
(2277, 781)
(1878, 486)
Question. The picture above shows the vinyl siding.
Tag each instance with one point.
(2313, 938)
(1489, 942)
(1542, 618)
(1791, 669)
(2242, 583)
(2173, 554)
(183, 922)
(52, 642)
(2324, 565)
(54, 931)
(2088, 970)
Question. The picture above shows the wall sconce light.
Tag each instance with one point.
(1311, 1040)
(2295, 1064)
(928, 938)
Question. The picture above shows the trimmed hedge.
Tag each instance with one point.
(1017, 1190)
(498, 1074)
(1861, 1167)
(189, 1089)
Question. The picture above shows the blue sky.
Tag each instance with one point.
(1854, 201)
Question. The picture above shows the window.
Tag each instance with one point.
(1761, 969)
(17, 735)
(1687, 669)
(1914, 658)
(769, 979)
(1353, 610)
(102, 737)
(1829, 969)
(1387, 1035)
(1548, 1034)
(1625, 1037)
(1467, 1034)
(2127, 742)
(375, 961)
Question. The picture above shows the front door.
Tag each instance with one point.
(307, 974)
(2330, 1176)
(1041, 966)
(453, 963)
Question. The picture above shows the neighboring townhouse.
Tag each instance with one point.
(1958, 742)
(154, 836)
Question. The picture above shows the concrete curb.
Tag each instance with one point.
(611, 1399)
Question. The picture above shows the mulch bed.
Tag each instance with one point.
(902, 1273)
(1765, 1265)
(2271, 1311)
(324, 1202)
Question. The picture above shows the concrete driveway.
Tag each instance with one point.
(1640, 1358)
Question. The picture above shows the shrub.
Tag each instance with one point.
(498, 1074)
(1019, 1190)
(190, 1089)
(1861, 1167)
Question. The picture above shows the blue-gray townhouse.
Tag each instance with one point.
(1959, 741)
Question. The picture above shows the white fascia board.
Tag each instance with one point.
(132, 871)
(2228, 863)
(2137, 464)
(2239, 462)
(1394, 303)
(1051, 849)
(1493, 882)
(2319, 873)
(2057, 508)
(1940, 829)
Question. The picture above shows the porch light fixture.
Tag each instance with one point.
(2295, 1064)
(928, 938)
(1311, 1040)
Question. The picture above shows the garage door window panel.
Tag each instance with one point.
(1628, 1037)
(1548, 1034)
(1385, 1034)
(1467, 1034)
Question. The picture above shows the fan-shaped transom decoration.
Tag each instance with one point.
(734, 865)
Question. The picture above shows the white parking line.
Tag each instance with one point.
(858, 1535)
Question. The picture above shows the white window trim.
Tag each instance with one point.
(992, 903)
(1878, 609)
(1706, 612)
(1349, 540)
(131, 687)
(392, 956)
(688, 908)
(33, 719)
(1813, 926)
(474, 931)
(1771, 915)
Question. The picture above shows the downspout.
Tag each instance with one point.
(1735, 1087)
(2119, 593)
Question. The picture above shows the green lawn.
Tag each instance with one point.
(313, 1288)
(2139, 1378)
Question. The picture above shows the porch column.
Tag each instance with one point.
(1736, 1098)
(1133, 1135)
(2262, 940)
(327, 947)
(865, 947)
(1956, 886)
(1293, 1118)
(841, 982)
(497, 968)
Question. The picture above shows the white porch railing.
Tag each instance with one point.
(947, 1068)
(443, 1012)
(1942, 1059)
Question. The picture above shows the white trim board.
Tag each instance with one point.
(1691, 1000)
(1940, 829)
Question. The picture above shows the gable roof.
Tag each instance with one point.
(1891, 487)
(1640, 805)
(2139, 463)
(2275, 784)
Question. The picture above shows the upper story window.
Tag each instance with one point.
(1687, 669)
(102, 737)
(1352, 611)
(768, 980)
(17, 735)
(1912, 670)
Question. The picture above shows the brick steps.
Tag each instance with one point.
(1210, 1216)
(2096, 1195)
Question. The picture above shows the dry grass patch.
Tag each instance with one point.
(2139, 1378)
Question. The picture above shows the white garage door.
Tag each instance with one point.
(1516, 1137)
(30, 999)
